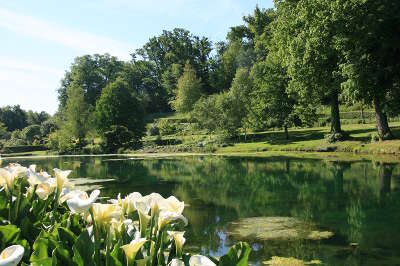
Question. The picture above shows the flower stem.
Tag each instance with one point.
(18, 202)
(96, 240)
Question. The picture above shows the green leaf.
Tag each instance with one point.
(117, 255)
(62, 256)
(237, 255)
(83, 250)
(66, 236)
(42, 262)
(40, 250)
(9, 234)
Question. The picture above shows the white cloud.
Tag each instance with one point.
(75, 39)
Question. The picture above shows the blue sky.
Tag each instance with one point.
(40, 39)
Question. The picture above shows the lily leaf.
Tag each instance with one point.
(237, 255)
(8, 234)
(83, 250)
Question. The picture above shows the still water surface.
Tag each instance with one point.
(358, 201)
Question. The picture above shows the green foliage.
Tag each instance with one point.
(304, 38)
(47, 127)
(77, 119)
(92, 72)
(188, 90)
(166, 127)
(117, 106)
(3, 130)
(153, 129)
(30, 133)
(237, 255)
(34, 118)
(13, 117)
(118, 137)
(226, 112)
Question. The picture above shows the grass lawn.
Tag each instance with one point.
(311, 140)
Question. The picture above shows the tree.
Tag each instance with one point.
(143, 81)
(271, 105)
(118, 106)
(225, 113)
(13, 117)
(92, 73)
(304, 33)
(34, 118)
(369, 42)
(30, 133)
(118, 137)
(77, 114)
(47, 127)
(3, 130)
(177, 47)
(188, 90)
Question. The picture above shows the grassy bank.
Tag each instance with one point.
(300, 140)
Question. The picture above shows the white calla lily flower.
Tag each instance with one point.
(132, 249)
(167, 217)
(35, 178)
(172, 204)
(104, 213)
(80, 202)
(61, 177)
(199, 260)
(179, 241)
(176, 262)
(67, 194)
(10, 174)
(44, 189)
(12, 255)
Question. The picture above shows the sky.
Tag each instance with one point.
(40, 39)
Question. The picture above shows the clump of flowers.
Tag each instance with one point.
(47, 221)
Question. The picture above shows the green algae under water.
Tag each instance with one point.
(359, 202)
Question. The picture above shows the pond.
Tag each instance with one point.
(359, 202)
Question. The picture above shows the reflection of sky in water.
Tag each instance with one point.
(359, 202)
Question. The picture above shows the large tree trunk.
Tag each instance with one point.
(382, 124)
(335, 114)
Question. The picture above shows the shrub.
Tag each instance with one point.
(47, 127)
(118, 137)
(30, 133)
(374, 137)
(153, 130)
(166, 127)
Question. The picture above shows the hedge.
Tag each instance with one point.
(23, 148)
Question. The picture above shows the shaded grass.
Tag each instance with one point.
(309, 140)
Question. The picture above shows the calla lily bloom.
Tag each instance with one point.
(11, 256)
(67, 194)
(179, 241)
(80, 202)
(104, 213)
(132, 249)
(128, 203)
(199, 260)
(172, 204)
(35, 178)
(150, 202)
(167, 217)
(9, 175)
(61, 177)
(46, 188)
(176, 262)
